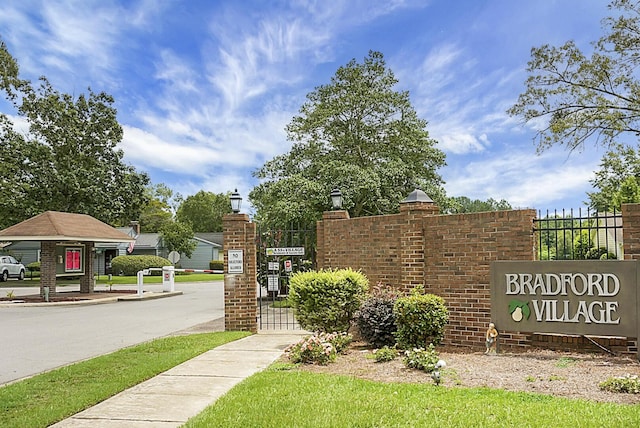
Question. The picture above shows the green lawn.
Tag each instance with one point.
(290, 398)
(119, 280)
(50, 397)
(284, 397)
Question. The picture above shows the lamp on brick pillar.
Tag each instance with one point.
(236, 201)
(336, 199)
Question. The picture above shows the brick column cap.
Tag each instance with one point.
(236, 217)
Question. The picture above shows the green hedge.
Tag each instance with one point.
(216, 265)
(326, 300)
(33, 267)
(421, 319)
(131, 265)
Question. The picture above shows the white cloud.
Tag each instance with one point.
(524, 179)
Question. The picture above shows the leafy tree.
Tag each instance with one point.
(157, 212)
(358, 134)
(620, 164)
(463, 204)
(580, 97)
(629, 192)
(204, 211)
(69, 160)
(178, 236)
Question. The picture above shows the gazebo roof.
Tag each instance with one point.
(59, 226)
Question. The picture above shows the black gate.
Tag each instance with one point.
(280, 253)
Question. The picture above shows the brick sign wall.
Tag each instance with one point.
(449, 254)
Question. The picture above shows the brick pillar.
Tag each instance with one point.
(86, 281)
(240, 290)
(323, 236)
(631, 231)
(412, 242)
(48, 266)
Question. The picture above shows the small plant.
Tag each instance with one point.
(556, 377)
(565, 362)
(629, 384)
(376, 320)
(385, 354)
(530, 378)
(421, 359)
(327, 300)
(421, 319)
(10, 294)
(321, 348)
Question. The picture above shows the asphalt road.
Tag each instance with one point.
(37, 339)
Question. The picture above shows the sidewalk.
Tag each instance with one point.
(182, 392)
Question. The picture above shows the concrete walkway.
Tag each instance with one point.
(182, 392)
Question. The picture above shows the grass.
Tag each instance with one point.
(119, 280)
(281, 398)
(280, 304)
(50, 397)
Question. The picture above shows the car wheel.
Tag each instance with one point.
(21, 275)
(5, 276)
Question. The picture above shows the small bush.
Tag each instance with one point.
(421, 319)
(376, 320)
(629, 384)
(321, 348)
(216, 265)
(421, 359)
(131, 265)
(327, 300)
(385, 354)
(33, 267)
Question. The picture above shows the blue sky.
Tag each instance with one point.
(205, 88)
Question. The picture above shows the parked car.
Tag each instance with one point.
(10, 268)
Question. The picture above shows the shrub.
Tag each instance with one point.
(421, 359)
(629, 384)
(599, 254)
(420, 319)
(131, 265)
(321, 348)
(376, 320)
(385, 354)
(327, 300)
(33, 267)
(216, 265)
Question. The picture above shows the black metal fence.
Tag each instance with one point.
(563, 235)
(280, 253)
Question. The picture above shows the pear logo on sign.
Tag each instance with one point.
(519, 310)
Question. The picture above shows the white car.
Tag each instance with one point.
(10, 268)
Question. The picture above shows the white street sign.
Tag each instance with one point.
(235, 261)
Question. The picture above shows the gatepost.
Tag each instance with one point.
(240, 278)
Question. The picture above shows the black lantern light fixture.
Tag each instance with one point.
(336, 199)
(236, 201)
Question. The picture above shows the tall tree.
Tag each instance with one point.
(358, 134)
(177, 236)
(463, 204)
(69, 161)
(620, 164)
(204, 211)
(579, 97)
(157, 212)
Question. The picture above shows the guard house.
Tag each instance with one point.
(67, 245)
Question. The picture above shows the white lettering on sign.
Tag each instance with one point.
(552, 284)
(590, 311)
(597, 312)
